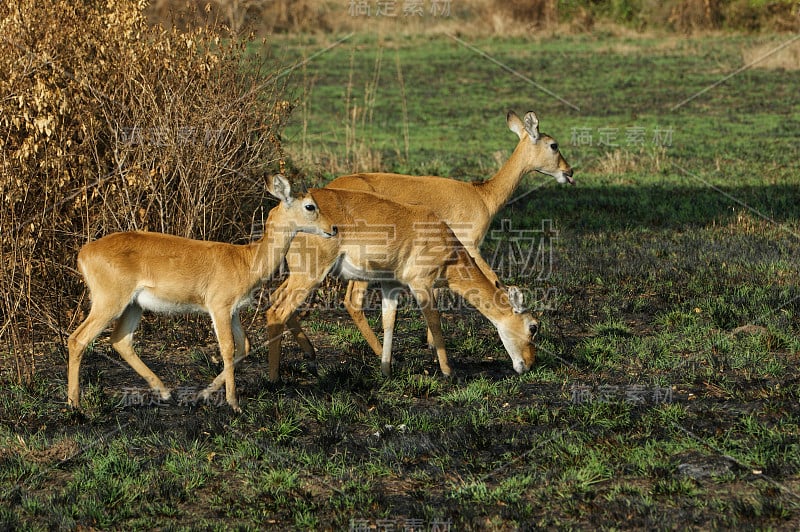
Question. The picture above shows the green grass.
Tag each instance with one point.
(674, 268)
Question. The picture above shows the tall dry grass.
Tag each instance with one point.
(111, 124)
(358, 119)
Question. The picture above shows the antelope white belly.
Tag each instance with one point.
(345, 269)
(149, 301)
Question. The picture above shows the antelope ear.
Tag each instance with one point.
(515, 123)
(516, 299)
(280, 187)
(532, 125)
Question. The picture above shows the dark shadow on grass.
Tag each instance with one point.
(587, 208)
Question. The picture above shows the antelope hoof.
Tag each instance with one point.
(204, 395)
(386, 369)
(74, 407)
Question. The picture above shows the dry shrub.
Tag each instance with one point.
(582, 21)
(263, 16)
(692, 15)
(532, 13)
(298, 15)
(696, 15)
(535, 12)
(778, 15)
(110, 124)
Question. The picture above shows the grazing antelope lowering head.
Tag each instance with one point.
(129, 272)
(509, 333)
(395, 244)
(467, 207)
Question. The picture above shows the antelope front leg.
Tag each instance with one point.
(223, 325)
(389, 314)
(427, 303)
(274, 340)
(241, 350)
(437, 296)
(296, 289)
(293, 324)
(484, 266)
(278, 299)
(354, 303)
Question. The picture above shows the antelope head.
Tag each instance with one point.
(541, 151)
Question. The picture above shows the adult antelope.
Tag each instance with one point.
(132, 271)
(398, 245)
(467, 207)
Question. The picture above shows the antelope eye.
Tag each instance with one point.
(554, 146)
(310, 207)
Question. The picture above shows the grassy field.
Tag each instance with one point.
(666, 393)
